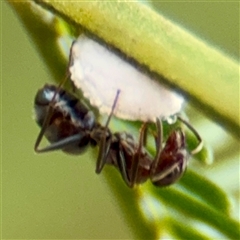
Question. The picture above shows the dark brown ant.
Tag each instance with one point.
(70, 126)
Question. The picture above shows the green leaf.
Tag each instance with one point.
(206, 190)
(193, 208)
(182, 231)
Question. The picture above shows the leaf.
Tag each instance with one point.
(182, 231)
(193, 208)
(206, 190)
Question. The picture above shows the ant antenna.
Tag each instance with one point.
(50, 108)
(67, 74)
(70, 62)
(112, 110)
(200, 144)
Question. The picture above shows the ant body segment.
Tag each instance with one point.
(70, 126)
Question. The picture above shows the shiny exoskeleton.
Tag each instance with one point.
(65, 122)
(70, 126)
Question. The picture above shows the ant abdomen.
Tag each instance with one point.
(173, 160)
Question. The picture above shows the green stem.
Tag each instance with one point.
(202, 73)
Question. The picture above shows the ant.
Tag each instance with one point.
(70, 126)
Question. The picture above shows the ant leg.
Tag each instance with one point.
(105, 146)
(200, 144)
(158, 142)
(132, 179)
(103, 153)
(137, 155)
(43, 128)
(121, 159)
(144, 132)
(122, 167)
(61, 144)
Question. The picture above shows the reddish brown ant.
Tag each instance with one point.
(70, 126)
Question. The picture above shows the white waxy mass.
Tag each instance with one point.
(99, 73)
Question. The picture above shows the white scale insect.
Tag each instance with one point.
(99, 73)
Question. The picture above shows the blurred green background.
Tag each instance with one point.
(59, 196)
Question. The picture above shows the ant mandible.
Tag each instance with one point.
(70, 126)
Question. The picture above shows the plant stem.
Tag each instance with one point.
(199, 71)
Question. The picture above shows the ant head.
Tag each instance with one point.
(173, 160)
